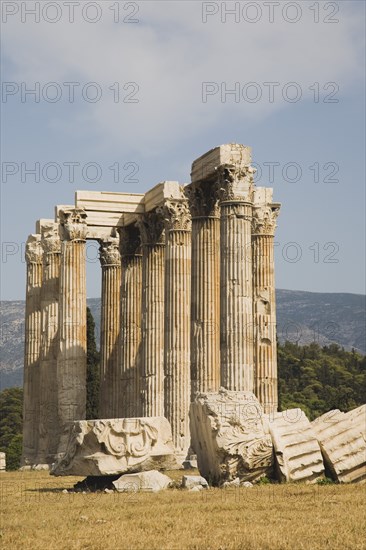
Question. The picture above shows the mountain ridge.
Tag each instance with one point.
(302, 317)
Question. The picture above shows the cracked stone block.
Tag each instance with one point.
(342, 439)
(230, 437)
(149, 482)
(297, 452)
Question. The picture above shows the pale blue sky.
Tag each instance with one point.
(169, 53)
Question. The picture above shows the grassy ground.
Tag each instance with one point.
(36, 515)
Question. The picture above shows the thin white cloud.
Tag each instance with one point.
(169, 54)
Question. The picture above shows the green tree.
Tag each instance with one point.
(319, 379)
(92, 374)
(11, 421)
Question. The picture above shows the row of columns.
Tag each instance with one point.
(188, 305)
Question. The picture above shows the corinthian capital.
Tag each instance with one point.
(51, 242)
(109, 254)
(176, 215)
(265, 219)
(203, 198)
(33, 249)
(236, 182)
(151, 226)
(73, 224)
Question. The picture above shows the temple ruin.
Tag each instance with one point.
(187, 302)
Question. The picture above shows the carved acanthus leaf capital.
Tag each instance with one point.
(151, 226)
(33, 249)
(176, 215)
(51, 241)
(73, 225)
(265, 219)
(203, 198)
(109, 254)
(236, 182)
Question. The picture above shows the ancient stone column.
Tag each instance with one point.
(110, 260)
(237, 362)
(151, 227)
(205, 303)
(128, 387)
(71, 361)
(264, 303)
(177, 392)
(48, 422)
(33, 256)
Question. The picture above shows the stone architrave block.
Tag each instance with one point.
(297, 452)
(148, 482)
(117, 446)
(230, 436)
(342, 439)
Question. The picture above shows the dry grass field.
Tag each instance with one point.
(36, 515)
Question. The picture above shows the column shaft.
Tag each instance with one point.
(48, 425)
(152, 363)
(177, 322)
(129, 404)
(71, 362)
(110, 328)
(32, 350)
(264, 223)
(237, 363)
(205, 308)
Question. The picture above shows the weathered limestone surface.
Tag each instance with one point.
(116, 446)
(110, 260)
(177, 386)
(2, 462)
(128, 387)
(147, 482)
(265, 214)
(153, 270)
(71, 361)
(50, 291)
(236, 185)
(205, 306)
(230, 436)
(297, 452)
(342, 439)
(33, 256)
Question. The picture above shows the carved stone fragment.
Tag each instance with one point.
(116, 446)
(230, 436)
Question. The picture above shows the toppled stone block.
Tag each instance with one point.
(194, 481)
(230, 436)
(2, 462)
(117, 446)
(342, 439)
(297, 452)
(150, 482)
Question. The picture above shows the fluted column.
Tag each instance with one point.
(71, 362)
(128, 386)
(48, 424)
(110, 260)
(33, 256)
(205, 302)
(237, 361)
(177, 393)
(152, 363)
(264, 224)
